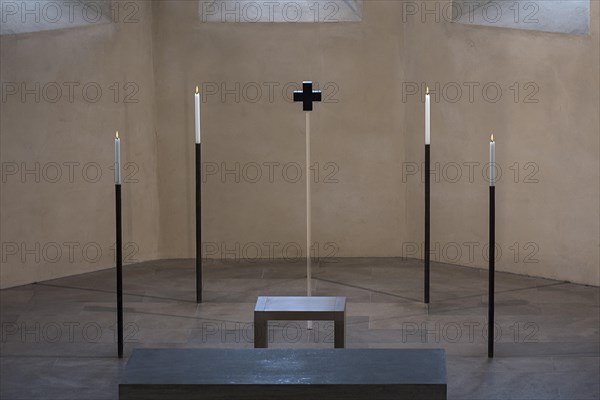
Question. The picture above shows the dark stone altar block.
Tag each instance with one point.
(286, 374)
(299, 308)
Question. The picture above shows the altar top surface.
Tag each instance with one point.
(300, 303)
(286, 367)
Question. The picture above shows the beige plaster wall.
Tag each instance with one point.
(358, 130)
(547, 149)
(60, 220)
(554, 222)
(366, 137)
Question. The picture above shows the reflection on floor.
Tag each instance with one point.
(58, 336)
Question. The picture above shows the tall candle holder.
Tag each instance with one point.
(198, 158)
(427, 243)
(118, 245)
(427, 239)
(492, 248)
(198, 223)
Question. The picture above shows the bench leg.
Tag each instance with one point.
(339, 325)
(261, 337)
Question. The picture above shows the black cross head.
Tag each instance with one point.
(307, 95)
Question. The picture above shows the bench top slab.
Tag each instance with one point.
(286, 367)
(300, 304)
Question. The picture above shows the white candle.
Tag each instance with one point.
(117, 159)
(197, 99)
(492, 161)
(427, 117)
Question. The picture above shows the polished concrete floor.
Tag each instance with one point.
(58, 338)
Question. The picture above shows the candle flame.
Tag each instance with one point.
(427, 90)
(117, 135)
(492, 138)
(196, 88)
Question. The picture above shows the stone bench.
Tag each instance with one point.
(286, 308)
(290, 374)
